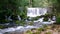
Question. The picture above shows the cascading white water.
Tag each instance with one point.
(34, 12)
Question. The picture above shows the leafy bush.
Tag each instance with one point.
(28, 32)
(58, 20)
(48, 33)
(1, 27)
(45, 19)
(40, 29)
(34, 18)
(22, 23)
(4, 21)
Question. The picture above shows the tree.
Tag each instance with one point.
(7, 7)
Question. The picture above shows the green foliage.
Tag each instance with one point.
(44, 26)
(45, 19)
(48, 33)
(40, 3)
(40, 29)
(4, 21)
(22, 8)
(1, 27)
(22, 23)
(58, 20)
(31, 23)
(35, 18)
(28, 32)
(8, 7)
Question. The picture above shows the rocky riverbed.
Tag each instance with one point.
(20, 29)
(50, 29)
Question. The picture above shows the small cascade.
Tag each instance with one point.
(54, 18)
(19, 18)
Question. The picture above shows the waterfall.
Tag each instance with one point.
(41, 19)
(34, 12)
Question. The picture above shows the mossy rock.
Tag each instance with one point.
(28, 32)
(35, 31)
(31, 23)
(40, 29)
(48, 33)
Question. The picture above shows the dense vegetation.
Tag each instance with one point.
(18, 7)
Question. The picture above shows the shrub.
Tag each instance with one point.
(22, 23)
(40, 29)
(45, 19)
(1, 27)
(48, 33)
(28, 32)
(58, 20)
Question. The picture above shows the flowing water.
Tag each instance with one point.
(32, 12)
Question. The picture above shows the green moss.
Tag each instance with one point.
(37, 32)
(22, 23)
(28, 32)
(31, 23)
(44, 26)
(48, 33)
(40, 29)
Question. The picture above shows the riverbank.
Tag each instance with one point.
(51, 29)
